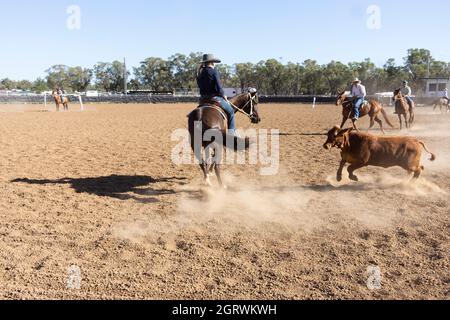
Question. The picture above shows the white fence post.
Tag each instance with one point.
(81, 102)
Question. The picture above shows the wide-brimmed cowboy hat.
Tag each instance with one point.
(356, 80)
(207, 58)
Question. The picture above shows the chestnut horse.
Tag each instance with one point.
(208, 122)
(65, 101)
(372, 108)
(402, 108)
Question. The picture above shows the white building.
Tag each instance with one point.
(435, 87)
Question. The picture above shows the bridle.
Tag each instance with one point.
(344, 103)
(252, 101)
(399, 97)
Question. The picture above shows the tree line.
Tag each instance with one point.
(271, 77)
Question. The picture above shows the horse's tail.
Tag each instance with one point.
(433, 156)
(412, 115)
(386, 117)
(194, 116)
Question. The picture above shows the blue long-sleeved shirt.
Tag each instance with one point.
(209, 83)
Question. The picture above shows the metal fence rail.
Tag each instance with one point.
(118, 99)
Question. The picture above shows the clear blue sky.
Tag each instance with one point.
(34, 36)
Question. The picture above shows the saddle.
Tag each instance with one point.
(364, 105)
(210, 103)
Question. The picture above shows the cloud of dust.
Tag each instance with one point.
(384, 181)
(439, 131)
(273, 210)
(436, 130)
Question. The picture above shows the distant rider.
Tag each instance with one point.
(60, 93)
(208, 80)
(358, 92)
(407, 93)
(446, 96)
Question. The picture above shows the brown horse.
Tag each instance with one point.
(402, 108)
(208, 129)
(443, 104)
(373, 109)
(64, 102)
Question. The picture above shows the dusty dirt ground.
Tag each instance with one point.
(97, 189)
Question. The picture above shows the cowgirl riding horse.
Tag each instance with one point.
(216, 117)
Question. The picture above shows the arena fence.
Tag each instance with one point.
(118, 99)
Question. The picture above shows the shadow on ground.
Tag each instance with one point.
(118, 187)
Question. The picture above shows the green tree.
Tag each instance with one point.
(109, 76)
(80, 78)
(244, 75)
(154, 73)
(417, 61)
(7, 84)
(183, 70)
(312, 81)
(24, 85)
(337, 75)
(58, 76)
(40, 85)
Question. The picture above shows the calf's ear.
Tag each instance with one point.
(336, 130)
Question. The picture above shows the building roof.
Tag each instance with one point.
(441, 78)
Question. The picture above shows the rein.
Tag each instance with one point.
(345, 103)
(252, 103)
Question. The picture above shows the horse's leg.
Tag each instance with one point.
(344, 120)
(380, 122)
(372, 123)
(406, 121)
(208, 166)
(412, 117)
(354, 125)
(219, 176)
(401, 123)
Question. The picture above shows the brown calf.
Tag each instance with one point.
(362, 150)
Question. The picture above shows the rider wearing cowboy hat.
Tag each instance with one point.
(208, 80)
(60, 93)
(358, 91)
(407, 92)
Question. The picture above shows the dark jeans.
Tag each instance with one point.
(230, 111)
(410, 101)
(357, 105)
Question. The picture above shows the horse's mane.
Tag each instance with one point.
(240, 99)
(398, 94)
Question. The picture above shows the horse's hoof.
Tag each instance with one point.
(208, 182)
(339, 178)
(354, 178)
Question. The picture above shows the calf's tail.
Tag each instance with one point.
(433, 156)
